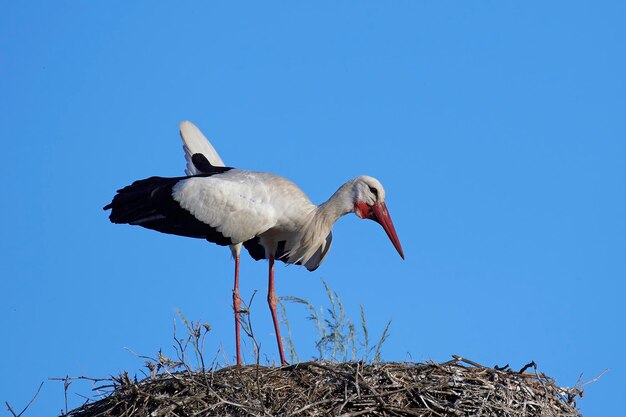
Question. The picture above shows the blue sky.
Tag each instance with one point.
(497, 128)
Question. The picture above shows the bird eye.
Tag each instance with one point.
(374, 191)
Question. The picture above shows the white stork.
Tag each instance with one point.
(268, 214)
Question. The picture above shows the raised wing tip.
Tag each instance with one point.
(194, 142)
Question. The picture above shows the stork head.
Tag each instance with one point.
(369, 203)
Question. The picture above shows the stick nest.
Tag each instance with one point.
(455, 388)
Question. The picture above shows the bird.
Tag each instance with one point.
(270, 216)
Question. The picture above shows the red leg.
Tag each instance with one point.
(237, 309)
(271, 300)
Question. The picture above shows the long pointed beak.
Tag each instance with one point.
(382, 217)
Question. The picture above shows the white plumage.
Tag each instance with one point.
(266, 213)
(195, 142)
(238, 203)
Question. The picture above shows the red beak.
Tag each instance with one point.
(382, 217)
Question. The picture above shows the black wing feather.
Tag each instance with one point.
(149, 203)
(257, 251)
(203, 165)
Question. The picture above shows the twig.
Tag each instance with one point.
(531, 364)
(595, 379)
(27, 405)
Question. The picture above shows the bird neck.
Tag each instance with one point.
(316, 230)
(339, 204)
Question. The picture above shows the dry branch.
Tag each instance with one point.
(455, 388)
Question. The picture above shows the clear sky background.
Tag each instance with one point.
(497, 128)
